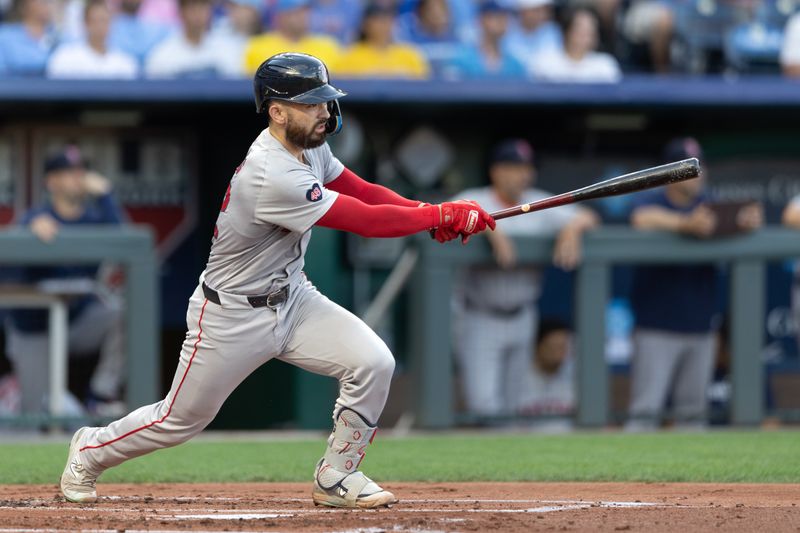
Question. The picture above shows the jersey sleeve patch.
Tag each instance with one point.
(314, 194)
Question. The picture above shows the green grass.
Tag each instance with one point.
(757, 457)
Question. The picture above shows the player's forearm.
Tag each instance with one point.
(350, 184)
(350, 214)
(584, 220)
(791, 216)
(656, 218)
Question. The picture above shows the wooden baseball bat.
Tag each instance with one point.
(635, 181)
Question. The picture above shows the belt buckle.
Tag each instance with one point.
(274, 299)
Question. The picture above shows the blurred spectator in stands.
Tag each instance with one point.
(376, 54)
(291, 33)
(790, 52)
(161, 12)
(240, 23)
(675, 306)
(496, 304)
(608, 13)
(550, 395)
(577, 61)
(463, 14)
(76, 197)
(92, 58)
(431, 28)
(25, 45)
(489, 57)
(131, 34)
(534, 31)
(190, 52)
(338, 18)
(649, 24)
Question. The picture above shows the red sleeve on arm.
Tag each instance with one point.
(348, 183)
(350, 214)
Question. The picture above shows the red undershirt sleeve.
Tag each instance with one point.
(350, 184)
(349, 214)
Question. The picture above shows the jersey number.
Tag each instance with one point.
(227, 198)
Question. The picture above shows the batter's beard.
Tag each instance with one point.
(298, 137)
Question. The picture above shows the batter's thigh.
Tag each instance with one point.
(324, 338)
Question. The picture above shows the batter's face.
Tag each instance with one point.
(305, 123)
(511, 179)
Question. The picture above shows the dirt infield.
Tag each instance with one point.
(424, 507)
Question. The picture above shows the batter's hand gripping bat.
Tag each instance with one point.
(635, 181)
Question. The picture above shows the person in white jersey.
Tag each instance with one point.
(496, 304)
(253, 302)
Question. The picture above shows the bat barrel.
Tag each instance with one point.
(627, 183)
(641, 180)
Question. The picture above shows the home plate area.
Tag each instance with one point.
(423, 507)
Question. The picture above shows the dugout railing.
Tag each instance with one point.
(746, 257)
(133, 248)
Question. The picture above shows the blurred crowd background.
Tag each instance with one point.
(549, 40)
(499, 100)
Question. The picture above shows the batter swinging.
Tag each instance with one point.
(253, 302)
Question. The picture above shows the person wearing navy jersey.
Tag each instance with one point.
(75, 197)
(676, 306)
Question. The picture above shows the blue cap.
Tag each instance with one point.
(69, 158)
(513, 151)
(682, 148)
(285, 5)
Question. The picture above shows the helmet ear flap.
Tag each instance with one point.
(334, 123)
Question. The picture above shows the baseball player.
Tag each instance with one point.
(496, 305)
(674, 351)
(253, 303)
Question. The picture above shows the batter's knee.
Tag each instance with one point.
(375, 364)
(385, 366)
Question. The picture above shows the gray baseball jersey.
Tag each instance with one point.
(264, 225)
(494, 348)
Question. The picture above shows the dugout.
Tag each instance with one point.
(171, 146)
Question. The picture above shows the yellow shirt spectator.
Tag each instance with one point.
(268, 44)
(393, 61)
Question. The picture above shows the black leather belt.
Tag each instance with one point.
(272, 300)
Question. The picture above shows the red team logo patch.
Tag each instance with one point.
(314, 194)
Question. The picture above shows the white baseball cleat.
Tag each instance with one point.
(78, 485)
(352, 490)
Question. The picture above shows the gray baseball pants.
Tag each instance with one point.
(664, 362)
(99, 327)
(495, 353)
(226, 343)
